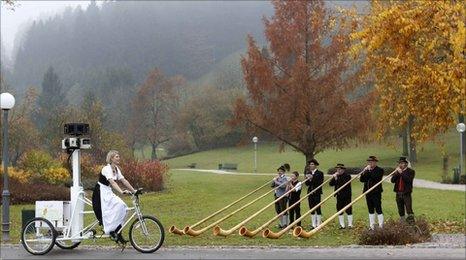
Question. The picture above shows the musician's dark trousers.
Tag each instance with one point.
(313, 201)
(374, 203)
(281, 205)
(296, 210)
(342, 202)
(404, 201)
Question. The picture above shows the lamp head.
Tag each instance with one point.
(7, 101)
(461, 127)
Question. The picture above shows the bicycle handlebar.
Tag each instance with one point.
(138, 192)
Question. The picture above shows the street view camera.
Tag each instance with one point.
(75, 130)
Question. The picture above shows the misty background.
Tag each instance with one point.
(104, 50)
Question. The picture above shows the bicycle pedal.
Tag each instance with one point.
(123, 246)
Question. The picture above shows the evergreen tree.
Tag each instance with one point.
(52, 110)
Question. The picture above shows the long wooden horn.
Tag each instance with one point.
(270, 234)
(220, 232)
(243, 231)
(300, 232)
(177, 231)
(189, 231)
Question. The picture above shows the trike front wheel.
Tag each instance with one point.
(146, 236)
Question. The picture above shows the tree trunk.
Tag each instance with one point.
(445, 168)
(412, 141)
(463, 137)
(309, 156)
(404, 135)
(153, 155)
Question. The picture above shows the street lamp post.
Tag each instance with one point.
(255, 140)
(461, 127)
(7, 101)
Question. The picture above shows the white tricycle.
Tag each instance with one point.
(62, 223)
(39, 235)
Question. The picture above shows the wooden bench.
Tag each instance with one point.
(228, 166)
(192, 165)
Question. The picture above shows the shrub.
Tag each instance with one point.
(36, 162)
(88, 165)
(356, 170)
(397, 233)
(17, 174)
(56, 175)
(149, 175)
(27, 193)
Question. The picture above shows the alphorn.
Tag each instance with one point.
(300, 232)
(177, 231)
(243, 231)
(220, 232)
(270, 234)
(189, 231)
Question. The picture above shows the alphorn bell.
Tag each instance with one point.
(243, 231)
(177, 231)
(270, 234)
(300, 232)
(220, 232)
(189, 231)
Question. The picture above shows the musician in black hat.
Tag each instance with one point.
(339, 179)
(372, 175)
(403, 180)
(315, 178)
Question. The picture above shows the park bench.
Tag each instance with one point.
(228, 166)
(192, 165)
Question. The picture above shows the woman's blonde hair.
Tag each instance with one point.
(110, 155)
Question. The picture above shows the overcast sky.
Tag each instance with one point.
(27, 11)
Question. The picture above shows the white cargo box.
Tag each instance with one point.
(57, 212)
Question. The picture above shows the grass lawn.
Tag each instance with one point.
(429, 164)
(190, 196)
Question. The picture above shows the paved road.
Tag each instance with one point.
(15, 252)
(417, 182)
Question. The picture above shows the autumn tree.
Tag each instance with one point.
(301, 86)
(155, 105)
(24, 135)
(415, 56)
(103, 139)
(205, 116)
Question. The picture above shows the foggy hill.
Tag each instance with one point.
(185, 38)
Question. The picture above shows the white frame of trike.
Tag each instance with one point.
(85, 230)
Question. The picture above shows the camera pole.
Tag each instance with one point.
(76, 194)
(73, 145)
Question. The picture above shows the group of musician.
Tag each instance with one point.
(371, 176)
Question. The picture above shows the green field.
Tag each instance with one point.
(429, 164)
(190, 196)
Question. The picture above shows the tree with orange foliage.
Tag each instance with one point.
(155, 106)
(415, 53)
(302, 86)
